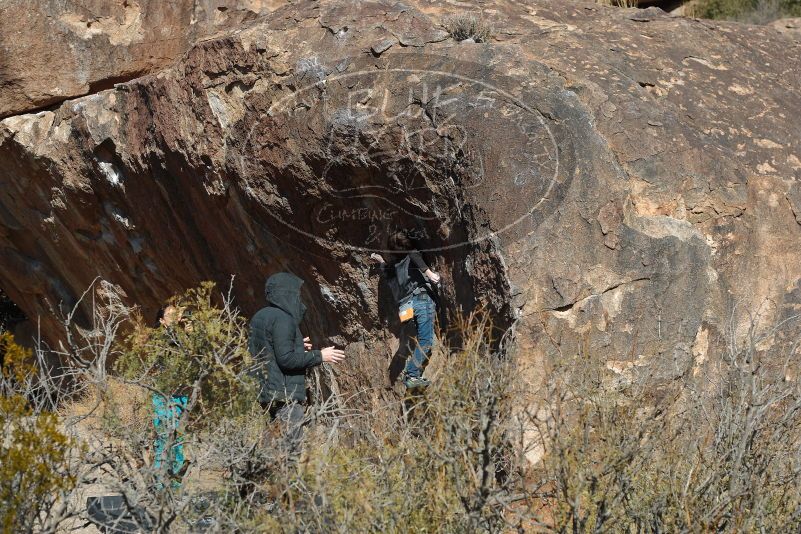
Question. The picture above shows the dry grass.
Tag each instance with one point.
(618, 3)
(655, 447)
(469, 26)
(128, 404)
(443, 461)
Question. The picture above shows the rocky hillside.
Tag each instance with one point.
(610, 180)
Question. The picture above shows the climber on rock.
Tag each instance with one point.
(283, 355)
(413, 286)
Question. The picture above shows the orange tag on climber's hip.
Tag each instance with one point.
(406, 313)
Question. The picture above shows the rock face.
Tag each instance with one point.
(791, 27)
(601, 179)
(51, 50)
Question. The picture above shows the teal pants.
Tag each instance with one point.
(166, 416)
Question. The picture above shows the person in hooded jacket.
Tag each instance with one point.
(283, 355)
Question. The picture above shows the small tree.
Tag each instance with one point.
(204, 357)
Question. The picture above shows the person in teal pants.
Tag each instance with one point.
(167, 411)
(166, 417)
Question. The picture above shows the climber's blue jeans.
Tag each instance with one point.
(424, 316)
(166, 416)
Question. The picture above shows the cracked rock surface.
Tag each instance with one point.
(603, 179)
(52, 50)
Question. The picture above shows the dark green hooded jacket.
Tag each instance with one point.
(277, 344)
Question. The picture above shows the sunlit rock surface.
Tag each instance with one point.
(607, 180)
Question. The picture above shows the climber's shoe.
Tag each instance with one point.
(412, 382)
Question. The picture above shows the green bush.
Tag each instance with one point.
(204, 357)
(16, 360)
(35, 468)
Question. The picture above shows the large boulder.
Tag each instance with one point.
(52, 50)
(597, 179)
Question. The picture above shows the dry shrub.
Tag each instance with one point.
(114, 408)
(657, 445)
(439, 461)
(750, 11)
(618, 3)
(706, 449)
(112, 416)
(468, 26)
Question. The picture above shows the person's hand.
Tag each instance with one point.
(431, 275)
(377, 257)
(333, 355)
(307, 345)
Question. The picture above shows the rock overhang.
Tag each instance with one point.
(654, 191)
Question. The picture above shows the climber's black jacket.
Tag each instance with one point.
(277, 344)
(405, 275)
